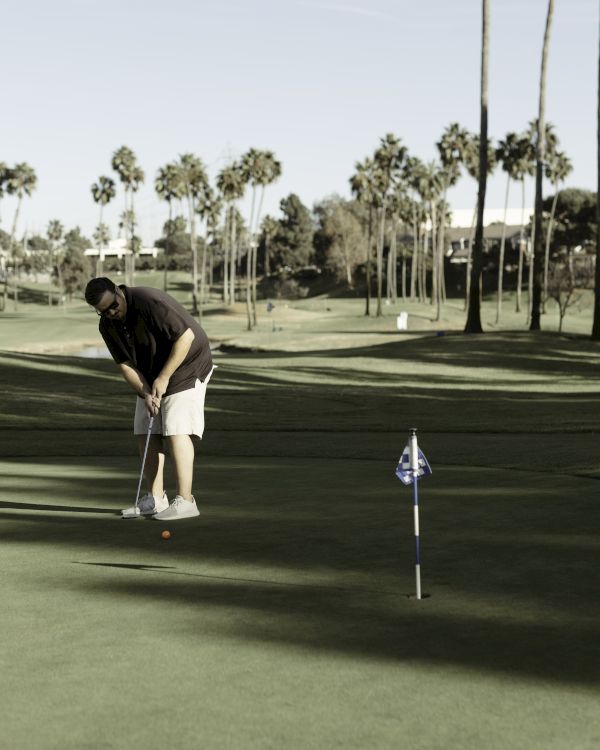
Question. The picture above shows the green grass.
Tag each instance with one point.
(280, 618)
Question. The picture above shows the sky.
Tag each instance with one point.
(318, 82)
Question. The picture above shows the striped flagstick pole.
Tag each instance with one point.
(414, 466)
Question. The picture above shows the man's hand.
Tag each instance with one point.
(159, 387)
(152, 404)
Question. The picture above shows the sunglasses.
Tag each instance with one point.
(106, 313)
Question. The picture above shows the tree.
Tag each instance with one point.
(54, 233)
(563, 284)
(194, 184)
(231, 184)
(388, 160)
(101, 239)
(269, 229)
(509, 154)
(21, 181)
(453, 149)
(293, 243)
(413, 174)
(362, 185)
(596, 320)
(473, 323)
(540, 146)
(4, 172)
(340, 238)
(558, 168)
(205, 208)
(124, 162)
(431, 188)
(74, 265)
(260, 168)
(103, 192)
(168, 187)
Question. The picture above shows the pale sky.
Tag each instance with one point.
(316, 81)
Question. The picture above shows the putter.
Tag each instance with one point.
(137, 497)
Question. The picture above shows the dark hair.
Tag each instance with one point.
(96, 288)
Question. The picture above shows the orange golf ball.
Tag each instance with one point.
(166, 534)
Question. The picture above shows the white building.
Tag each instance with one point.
(119, 248)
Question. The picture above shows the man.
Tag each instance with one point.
(164, 356)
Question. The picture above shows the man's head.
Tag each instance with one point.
(106, 298)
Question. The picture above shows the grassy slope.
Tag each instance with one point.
(280, 618)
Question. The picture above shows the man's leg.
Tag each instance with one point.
(182, 451)
(155, 463)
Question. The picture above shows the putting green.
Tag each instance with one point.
(280, 617)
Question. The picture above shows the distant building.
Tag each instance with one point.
(458, 240)
(119, 248)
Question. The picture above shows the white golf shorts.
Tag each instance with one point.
(180, 414)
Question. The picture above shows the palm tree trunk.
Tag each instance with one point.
(368, 268)
(521, 243)
(380, 244)
(441, 254)
(501, 258)
(233, 257)
(194, 249)
(226, 234)
(203, 273)
(473, 324)
(423, 276)
(548, 240)
(596, 320)
(469, 259)
(434, 263)
(167, 247)
(413, 266)
(13, 250)
(539, 172)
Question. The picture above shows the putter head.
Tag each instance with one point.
(133, 512)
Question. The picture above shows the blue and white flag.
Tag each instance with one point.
(403, 470)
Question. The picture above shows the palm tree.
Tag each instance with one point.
(54, 233)
(473, 323)
(267, 171)
(4, 171)
(509, 154)
(194, 183)
(471, 162)
(431, 188)
(413, 172)
(388, 159)
(452, 147)
(596, 321)
(362, 185)
(205, 209)
(540, 148)
(558, 168)
(21, 181)
(124, 163)
(167, 185)
(550, 148)
(103, 192)
(213, 220)
(252, 168)
(231, 183)
(269, 229)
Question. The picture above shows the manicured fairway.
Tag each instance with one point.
(280, 618)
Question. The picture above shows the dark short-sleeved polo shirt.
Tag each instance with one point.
(154, 321)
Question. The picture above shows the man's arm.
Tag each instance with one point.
(179, 352)
(138, 383)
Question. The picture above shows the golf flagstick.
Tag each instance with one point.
(137, 497)
(414, 467)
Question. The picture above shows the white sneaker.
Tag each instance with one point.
(147, 506)
(179, 508)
